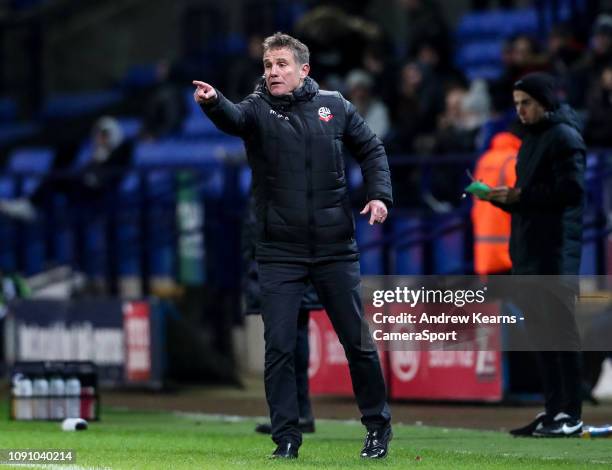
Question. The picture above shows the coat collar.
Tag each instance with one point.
(306, 92)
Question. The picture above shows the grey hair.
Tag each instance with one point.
(281, 40)
(111, 126)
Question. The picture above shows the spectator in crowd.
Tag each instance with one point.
(598, 131)
(466, 111)
(525, 56)
(500, 119)
(165, 108)
(337, 40)
(456, 132)
(520, 55)
(420, 100)
(429, 54)
(110, 155)
(359, 86)
(378, 62)
(587, 71)
(245, 72)
(426, 24)
(563, 50)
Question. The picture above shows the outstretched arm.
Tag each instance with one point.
(231, 118)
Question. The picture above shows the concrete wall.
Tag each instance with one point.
(248, 344)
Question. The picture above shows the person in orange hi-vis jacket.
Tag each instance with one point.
(496, 167)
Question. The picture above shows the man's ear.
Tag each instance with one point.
(305, 70)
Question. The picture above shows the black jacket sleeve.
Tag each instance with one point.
(564, 184)
(233, 119)
(369, 152)
(567, 188)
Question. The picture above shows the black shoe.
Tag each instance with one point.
(563, 425)
(540, 420)
(376, 444)
(285, 450)
(306, 426)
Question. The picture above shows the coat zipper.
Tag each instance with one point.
(309, 189)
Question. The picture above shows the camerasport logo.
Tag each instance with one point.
(325, 114)
(404, 364)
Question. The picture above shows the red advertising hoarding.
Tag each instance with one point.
(328, 369)
(137, 327)
(426, 373)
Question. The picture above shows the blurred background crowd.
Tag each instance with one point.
(431, 78)
(108, 167)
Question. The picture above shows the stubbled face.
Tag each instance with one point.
(528, 109)
(282, 72)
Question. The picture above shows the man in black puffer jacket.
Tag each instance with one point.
(547, 205)
(295, 136)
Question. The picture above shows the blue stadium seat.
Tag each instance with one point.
(141, 76)
(496, 24)
(408, 258)
(130, 126)
(354, 176)
(483, 52)
(68, 105)
(588, 262)
(181, 152)
(7, 187)
(30, 162)
(371, 259)
(196, 124)
(480, 37)
(199, 126)
(448, 249)
(10, 132)
(246, 177)
(484, 72)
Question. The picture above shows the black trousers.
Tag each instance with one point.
(301, 358)
(549, 306)
(338, 285)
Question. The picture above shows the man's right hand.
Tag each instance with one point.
(204, 93)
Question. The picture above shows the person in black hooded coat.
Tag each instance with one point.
(295, 135)
(546, 205)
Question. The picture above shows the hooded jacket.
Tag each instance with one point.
(546, 234)
(295, 145)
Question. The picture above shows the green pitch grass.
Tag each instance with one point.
(154, 440)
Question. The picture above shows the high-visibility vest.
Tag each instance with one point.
(496, 167)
